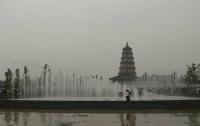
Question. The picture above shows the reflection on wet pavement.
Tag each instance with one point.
(16, 118)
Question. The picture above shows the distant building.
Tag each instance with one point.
(127, 67)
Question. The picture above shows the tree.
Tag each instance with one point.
(199, 69)
(192, 74)
(17, 84)
(8, 84)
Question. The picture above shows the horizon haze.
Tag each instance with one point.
(88, 36)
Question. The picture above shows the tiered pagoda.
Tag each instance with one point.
(127, 67)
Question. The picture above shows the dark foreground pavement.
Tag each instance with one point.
(101, 105)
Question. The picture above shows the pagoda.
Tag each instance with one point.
(127, 67)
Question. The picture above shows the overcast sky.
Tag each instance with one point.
(88, 35)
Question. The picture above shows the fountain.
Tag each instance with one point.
(52, 86)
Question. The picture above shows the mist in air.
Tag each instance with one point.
(88, 36)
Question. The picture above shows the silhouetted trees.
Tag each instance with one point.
(192, 74)
(8, 84)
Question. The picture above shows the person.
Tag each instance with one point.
(128, 95)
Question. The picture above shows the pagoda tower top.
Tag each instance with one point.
(126, 44)
(127, 47)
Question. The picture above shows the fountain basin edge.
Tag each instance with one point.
(104, 105)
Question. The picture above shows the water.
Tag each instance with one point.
(38, 118)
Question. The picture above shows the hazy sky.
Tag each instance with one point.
(88, 35)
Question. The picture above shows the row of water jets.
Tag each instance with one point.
(49, 84)
(60, 85)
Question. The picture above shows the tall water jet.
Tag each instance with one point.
(67, 86)
(61, 84)
(17, 84)
(49, 82)
(73, 85)
(25, 81)
(45, 84)
(40, 86)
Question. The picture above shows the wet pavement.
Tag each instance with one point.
(116, 118)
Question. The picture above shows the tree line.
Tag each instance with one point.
(12, 84)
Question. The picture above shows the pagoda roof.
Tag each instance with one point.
(123, 78)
